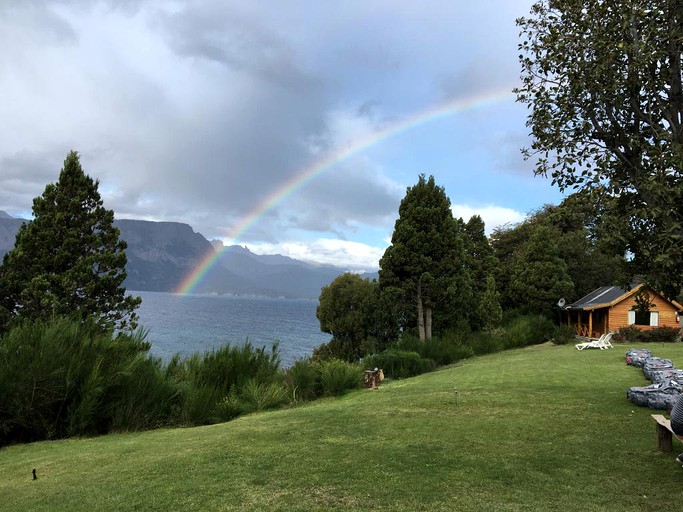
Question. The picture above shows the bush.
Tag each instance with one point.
(65, 377)
(206, 380)
(147, 400)
(528, 330)
(399, 364)
(487, 342)
(446, 350)
(658, 334)
(629, 333)
(303, 380)
(337, 376)
(256, 396)
(451, 347)
(68, 377)
(564, 335)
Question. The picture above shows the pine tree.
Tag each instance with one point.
(424, 267)
(69, 259)
(482, 263)
(539, 275)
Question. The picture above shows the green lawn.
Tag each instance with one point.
(542, 428)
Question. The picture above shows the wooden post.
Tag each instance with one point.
(664, 439)
(590, 323)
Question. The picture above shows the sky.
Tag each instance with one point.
(287, 127)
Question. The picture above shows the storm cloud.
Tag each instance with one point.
(196, 110)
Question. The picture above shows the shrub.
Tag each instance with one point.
(337, 376)
(303, 380)
(256, 396)
(446, 350)
(146, 400)
(658, 334)
(66, 377)
(206, 380)
(399, 364)
(449, 348)
(528, 330)
(487, 342)
(564, 334)
(229, 407)
(663, 334)
(629, 333)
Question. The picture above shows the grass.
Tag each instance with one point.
(541, 428)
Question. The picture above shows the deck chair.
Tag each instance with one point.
(599, 343)
(605, 341)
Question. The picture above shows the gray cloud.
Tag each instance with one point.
(198, 111)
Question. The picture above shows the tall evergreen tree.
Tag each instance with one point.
(482, 264)
(69, 259)
(424, 267)
(539, 274)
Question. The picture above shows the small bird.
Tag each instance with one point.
(34, 474)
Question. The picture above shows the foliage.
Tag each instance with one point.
(578, 231)
(490, 311)
(633, 334)
(451, 347)
(629, 333)
(206, 380)
(564, 335)
(69, 259)
(487, 342)
(539, 275)
(399, 364)
(337, 377)
(349, 309)
(482, 264)
(603, 81)
(424, 268)
(303, 381)
(528, 330)
(257, 396)
(66, 378)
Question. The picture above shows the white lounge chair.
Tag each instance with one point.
(607, 341)
(603, 342)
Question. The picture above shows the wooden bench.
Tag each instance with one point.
(664, 433)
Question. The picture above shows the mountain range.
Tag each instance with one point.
(162, 254)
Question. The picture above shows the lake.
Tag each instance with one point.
(195, 323)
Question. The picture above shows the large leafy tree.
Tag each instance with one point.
(424, 268)
(604, 83)
(69, 259)
(350, 309)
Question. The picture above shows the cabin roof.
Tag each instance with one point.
(607, 296)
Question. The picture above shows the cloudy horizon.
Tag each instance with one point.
(197, 112)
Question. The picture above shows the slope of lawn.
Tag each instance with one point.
(542, 428)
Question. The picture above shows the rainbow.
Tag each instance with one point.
(434, 113)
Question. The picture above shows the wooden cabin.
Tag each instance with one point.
(610, 307)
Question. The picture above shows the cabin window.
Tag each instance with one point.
(643, 318)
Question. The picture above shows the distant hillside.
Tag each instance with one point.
(161, 254)
(8, 232)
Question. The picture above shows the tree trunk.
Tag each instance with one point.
(420, 312)
(428, 323)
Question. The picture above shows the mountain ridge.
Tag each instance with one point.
(161, 255)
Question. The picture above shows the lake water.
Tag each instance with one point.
(195, 323)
